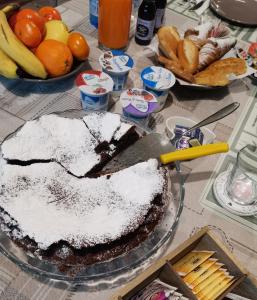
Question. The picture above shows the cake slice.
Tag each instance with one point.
(67, 141)
(113, 134)
(82, 148)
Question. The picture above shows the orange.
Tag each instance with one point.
(12, 20)
(49, 13)
(28, 33)
(78, 46)
(34, 16)
(55, 56)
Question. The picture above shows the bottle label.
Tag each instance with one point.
(94, 7)
(145, 29)
(159, 17)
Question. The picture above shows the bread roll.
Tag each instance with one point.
(213, 78)
(168, 41)
(230, 65)
(217, 74)
(188, 55)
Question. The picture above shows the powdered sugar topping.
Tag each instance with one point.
(103, 125)
(68, 141)
(124, 128)
(89, 211)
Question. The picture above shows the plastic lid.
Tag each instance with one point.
(138, 102)
(158, 78)
(94, 82)
(116, 61)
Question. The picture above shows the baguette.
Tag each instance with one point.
(165, 61)
(176, 68)
(179, 72)
(188, 55)
(168, 41)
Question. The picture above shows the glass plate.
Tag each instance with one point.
(124, 267)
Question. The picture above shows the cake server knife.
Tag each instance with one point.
(155, 145)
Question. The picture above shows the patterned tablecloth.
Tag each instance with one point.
(20, 101)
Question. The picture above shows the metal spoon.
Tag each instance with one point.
(222, 113)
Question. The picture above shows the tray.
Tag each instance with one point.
(238, 12)
(122, 268)
(204, 239)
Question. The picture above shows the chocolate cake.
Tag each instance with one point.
(47, 177)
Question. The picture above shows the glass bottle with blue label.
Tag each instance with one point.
(160, 12)
(145, 22)
(93, 12)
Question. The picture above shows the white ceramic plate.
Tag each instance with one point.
(243, 12)
(221, 195)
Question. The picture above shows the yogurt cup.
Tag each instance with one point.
(158, 81)
(117, 64)
(138, 104)
(95, 87)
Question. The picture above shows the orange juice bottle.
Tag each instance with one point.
(114, 23)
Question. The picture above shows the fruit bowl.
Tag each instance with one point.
(37, 45)
(77, 67)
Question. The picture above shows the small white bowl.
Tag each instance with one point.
(171, 122)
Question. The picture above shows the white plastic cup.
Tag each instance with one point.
(138, 105)
(158, 81)
(117, 65)
(95, 88)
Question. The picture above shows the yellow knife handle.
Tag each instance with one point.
(194, 152)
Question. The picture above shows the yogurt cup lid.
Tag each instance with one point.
(158, 78)
(94, 83)
(138, 102)
(116, 61)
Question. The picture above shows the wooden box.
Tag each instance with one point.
(162, 269)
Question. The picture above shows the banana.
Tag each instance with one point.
(10, 8)
(14, 48)
(8, 67)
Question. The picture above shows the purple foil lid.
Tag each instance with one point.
(138, 102)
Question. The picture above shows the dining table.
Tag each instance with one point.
(21, 101)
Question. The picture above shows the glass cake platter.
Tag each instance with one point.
(124, 267)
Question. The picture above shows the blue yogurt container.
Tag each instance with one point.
(117, 64)
(95, 88)
(158, 81)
